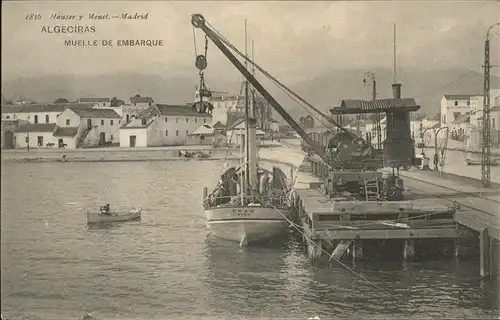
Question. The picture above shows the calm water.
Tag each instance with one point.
(167, 265)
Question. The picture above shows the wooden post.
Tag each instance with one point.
(357, 250)
(484, 253)
(409, 249)
(459, 245)
(314, 249)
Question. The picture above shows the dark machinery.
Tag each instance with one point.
(351, 161)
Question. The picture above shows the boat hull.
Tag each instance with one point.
(478, 162)
(93, 218)
(246, 225)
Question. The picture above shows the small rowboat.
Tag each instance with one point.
(93, 217)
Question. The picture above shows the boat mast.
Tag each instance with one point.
(247, 153)
(251, 127)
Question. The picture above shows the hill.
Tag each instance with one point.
(426, 87)
(323, 91)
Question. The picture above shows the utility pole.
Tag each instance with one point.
(486, 133)
(27, 136)
(371, 76)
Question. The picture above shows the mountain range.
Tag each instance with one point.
(323, 91)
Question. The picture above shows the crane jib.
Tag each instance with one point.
(198, 21)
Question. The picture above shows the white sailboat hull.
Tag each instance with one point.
(246, 224)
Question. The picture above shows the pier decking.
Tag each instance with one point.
(434, 208)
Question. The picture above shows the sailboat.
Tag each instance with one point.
(249, 204)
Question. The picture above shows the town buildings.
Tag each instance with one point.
(454, 105)
(162, 125)
(223, 104)
(96, 102)
(235, 134)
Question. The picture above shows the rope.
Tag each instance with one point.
(337, 260)
(270, 77)
(194, 40)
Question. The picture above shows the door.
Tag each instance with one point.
(40, 141)
(8, 140)
(89, 123)
(132, 140)
(102, 138)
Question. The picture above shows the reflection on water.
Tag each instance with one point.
(54, 266)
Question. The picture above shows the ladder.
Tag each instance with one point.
(372, 191)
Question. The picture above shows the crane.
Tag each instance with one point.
(198, 21)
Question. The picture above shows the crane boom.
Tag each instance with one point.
(198, 21)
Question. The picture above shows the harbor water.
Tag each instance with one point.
(167, 266)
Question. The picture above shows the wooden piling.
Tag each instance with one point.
(409, 249)
(357, 250)
(484, 253)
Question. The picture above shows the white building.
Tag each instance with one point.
(87, 127)
(431, 121)
(162, 125)
(223, 103)
(477, 105)
(206, 135)
(35, 135)
(138, 101)
(454, 105)
(235, 134)
(96, 102)
(39, 113)
(416, 124)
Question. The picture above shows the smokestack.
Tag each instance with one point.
(396, 91)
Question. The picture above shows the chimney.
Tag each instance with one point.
(396, 91)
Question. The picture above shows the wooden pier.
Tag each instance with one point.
(433, 208)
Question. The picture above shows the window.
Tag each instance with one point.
(187, 132)
(456, 103)
(102, 122)
(150, 104)
(187, 120)
(36, 119)
(444, 119)
(67, 122)
(166, 119)
(205, 120)
(47, 119)
(111, 137)
(143, 121)
(166, 133)
(7, 117)
(176, 119)
(128, 117)
(119, 121)
(468, 103)
(111, 122)
(195, 120)
(493, 123)
(177, 133)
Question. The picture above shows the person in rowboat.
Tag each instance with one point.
(105, 209)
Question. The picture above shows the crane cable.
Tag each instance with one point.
(282, 86)
(270, 77)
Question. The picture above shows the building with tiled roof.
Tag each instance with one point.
(139, 101)
(162, 125)
(38, 113)
(454, 105)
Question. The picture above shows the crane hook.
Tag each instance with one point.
(197, 20)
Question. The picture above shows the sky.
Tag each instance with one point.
(293, 40)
